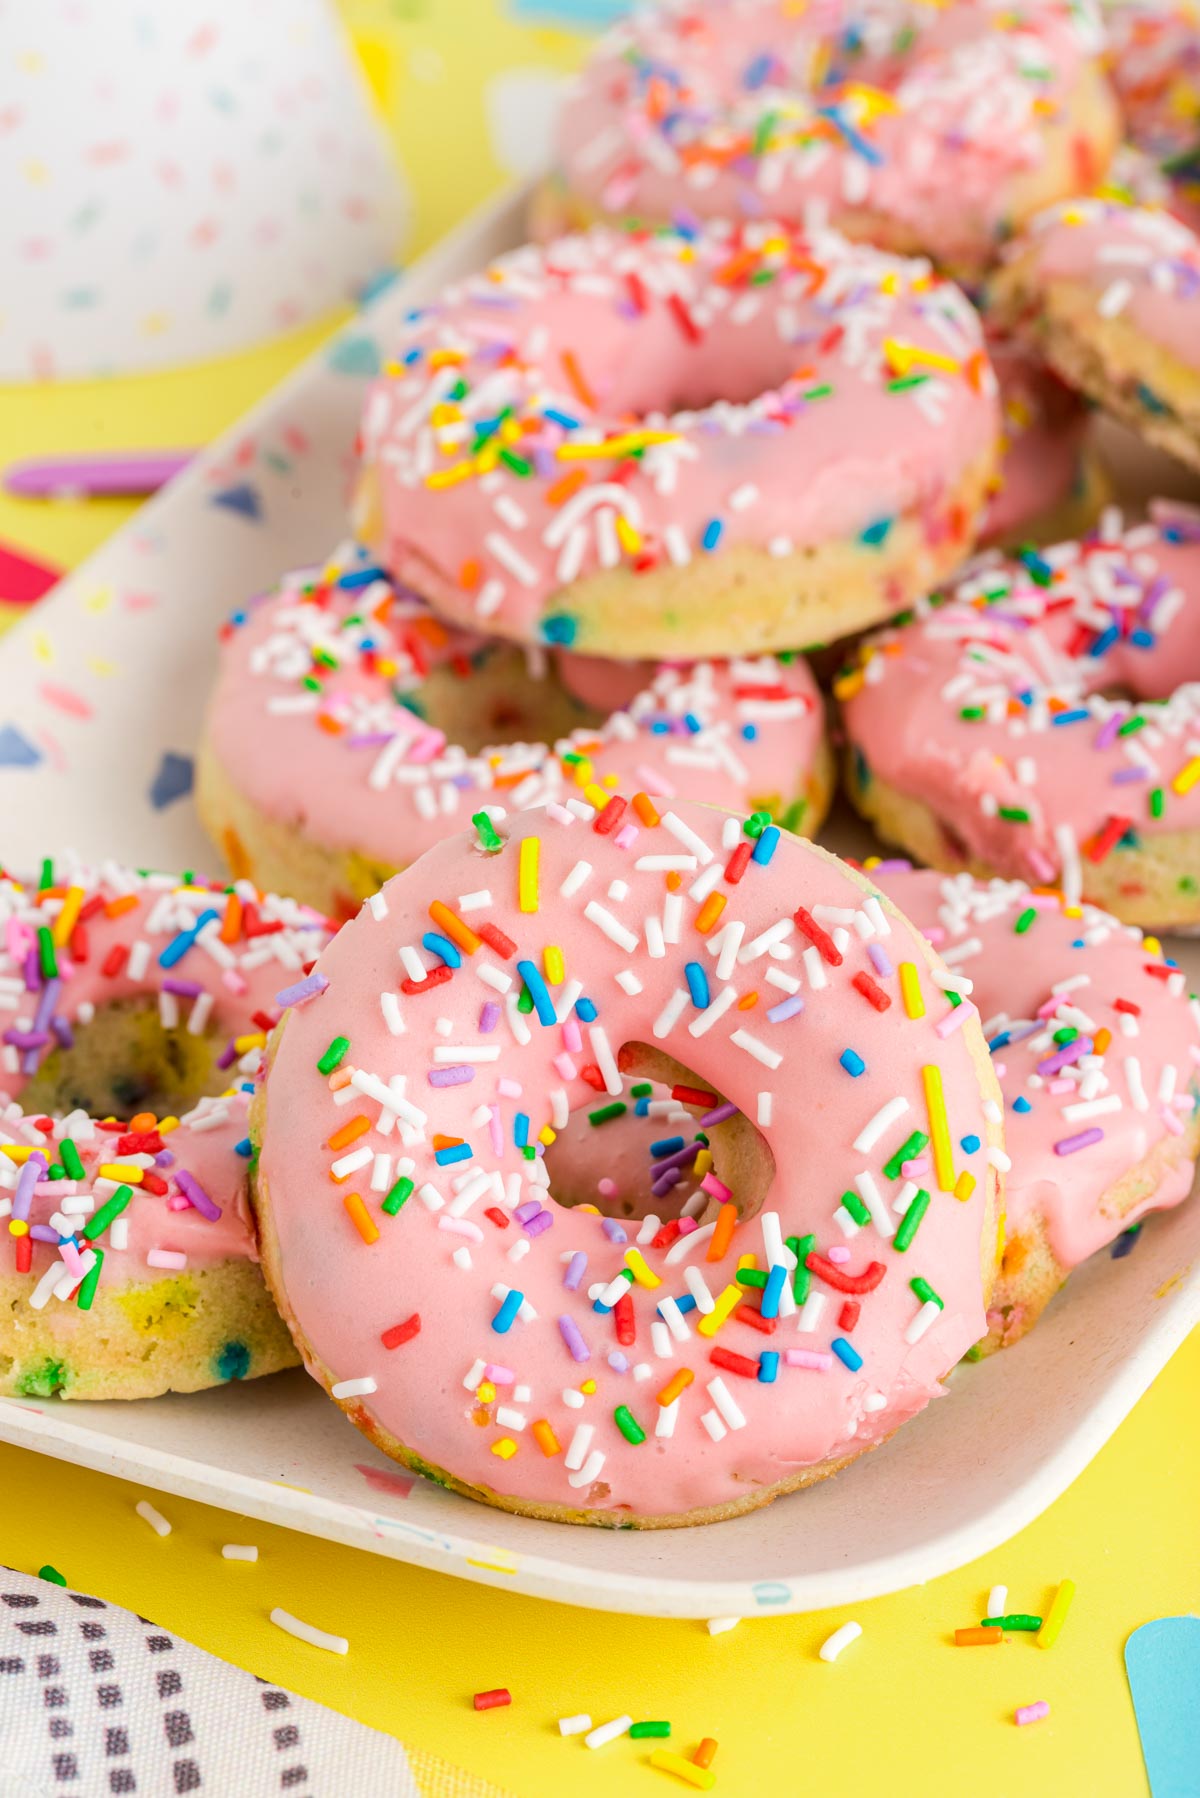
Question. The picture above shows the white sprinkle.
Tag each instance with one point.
(354, 1388)
(766, 1104)
(239, 1551)
(608, 1732)
(712, 1423)
(926, 1316)
(389, 1004)
(1114, 299)
(675, 1321)
(612, 927)
(306, 1632)
(605, 1059)
(473, 1375)
(589, 1472)
(770, 1058)
(574, 1726)
(155, 1519)
(703, 1022)
(668, 1417)
(726, 1404)
(810, 1313)
(350, 1164)
(884, 1118)
(671, 1012)
(997, 1603)
(683, 1245)
(875, 1203)
(168, 1258)
(581, 1442)
(684, 834)
(717, 1626)
(430, 1197)
(833, 1645)
(1133, 1079)
(628, 982)
(581, 872)
(698, 1286)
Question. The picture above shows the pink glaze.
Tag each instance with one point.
(235, 980)
(781, 1067)
(1043, 425)
(1142, 264)
(1155, 59)
(356, 769)
(743, 107)
(1022, 651)
(764, 414)
(1139, 1090)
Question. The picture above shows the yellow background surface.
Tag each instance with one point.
(903, 1711)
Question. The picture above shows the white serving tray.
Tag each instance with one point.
(101, 694)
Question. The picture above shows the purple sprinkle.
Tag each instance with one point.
(32, 973)
(164, 1158)
(489, 1017)
(63, 1031)
(46, 1003)
(459, 1075)
(719, 1115)
(679, 1158)
(618, 1362)
(27, 1039)
(1107, 734)
(196, 1195)
(43, 1233)
(787, 1008)
(305, 989)
(1121, 777)
(1063, 1057)
(183, 989)
(878, 955)
(897, 865)
(613, 1230)
(537, 1224)
(576, 1268)
(1068, 1145)
(569, 1330)
(27, 1179)
(529, 1209)
(227, 1057)
(664, 1181)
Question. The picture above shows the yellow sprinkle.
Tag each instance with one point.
(1056, 1616)
(552, 964)
(747, 1261)
(1152, 945)
(256, 1040)
(595, 796)
(629, 538)
(17, 1151)
(723, 1308)
(165, 1125)
(588, 1387)
(450, 477)
(527, 873)
(939, 1128)
(910, 987)
(68, 917)
(506, 1448)
(485, 1392)
(702, 1164)
(583, 771)
(547, 1135)
(1187, 777)
(903, 357)
(18, 1227)
(636, 1263)
(703, 1778)
(964, 1186)
(613, 446)
(116, 1170)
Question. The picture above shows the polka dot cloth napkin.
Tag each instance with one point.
(96, 1701)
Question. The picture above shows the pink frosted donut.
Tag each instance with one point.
(1049, 484)
(348, 732)
(1155, 60)
(1107, 294)
(533, 1356)
(131, 1261)
(711, 443)
(936, 129)
(1095, 1043)
(1040, 721)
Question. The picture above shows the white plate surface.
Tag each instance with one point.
(101, 695)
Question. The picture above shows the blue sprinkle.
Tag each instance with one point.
(1077, 715)
(766, 845)
(712, 534)
(852, 1062)
(242, 499)
(535, 986)
(443, 947)
(693, 723)
(773, 1290)
(642, 1108)
(667, 1145)
(560, 627)
(877, 533)
(697, 981)
(1022, 1104)
(521, 1129)
(1104, 641)
(244, 1148)
(846, 1353)
(561, 418)
(360, 577)
(585, 1011)
(172, 781)
(1141, 638)
(969, 1145)
(749, 733)
(504, 1319)
(685, 1301)
(1124, 1245)
(459, 1151)
(768, 1366)
(854, 138)
(179, 945)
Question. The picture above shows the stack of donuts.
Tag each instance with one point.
(613, 1152)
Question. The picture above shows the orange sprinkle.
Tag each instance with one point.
(116, 907)
(143, 1122)
(722, 1236)
(340, 1077)
(361, 1218)
(566, 487)
(706, 1754)
(977, 1637)
(349, 1132)
(575, 376)
(747, 1002)
(545, 1438)
(329, 725)
(678, 1382)
(231, 923)
(445, 1142)
(644, 806)
(454, 928)
(1103, 1038)
(709, 912)
(469, 575)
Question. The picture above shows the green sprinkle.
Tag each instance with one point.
(605, 1113)
(756, 823)
(1013, 814)
(1068, 1034)
(89, 1283)
(1025, 920)
(801, 1247)
(312, 683)
(818, 393)
(518, 464)
(525, 1000)
(47, 878)
(751, 1276)
(971, 714)
(904, 382)
(1158, 802)
(642, 1090)
(529, 1152)
(855, 1207)
(401, 1191)
(47, 955)
(907, 1227)
(925, 1292)
(59, 1579)
(762, 133)
(1014, 1620)
(334, 1055)
(1131, 724)
(954, 998)
(908, 1151)
(70, 1159)
(628, 1424)
(111, 1209)
(975, 1353)
(639, 1730)
(488, 835)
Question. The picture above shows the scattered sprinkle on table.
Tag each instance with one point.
(307, 1632)
(239, 1551)
(493, 1699)
(841, 1638)
(155, 1519)
(1031, 1713)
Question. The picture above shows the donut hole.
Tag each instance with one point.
(124, 1061)
(511, 697)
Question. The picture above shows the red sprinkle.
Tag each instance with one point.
(437, 977)
(848, 1315)
(1127, 1005)
(496, 939)
(740, 1364)
(746, 1314)
(607, 820)
(820, 939)
(497, 1217)
(684, 319)
(871, 991)
(840, 1280)
(625, 1321)
(24, 1254)
(489, 1701)
(738, 862)
(693, 1095)
(114, 961)
(1107, 839)
(399, 1334)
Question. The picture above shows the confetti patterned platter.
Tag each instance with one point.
(101, 694)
